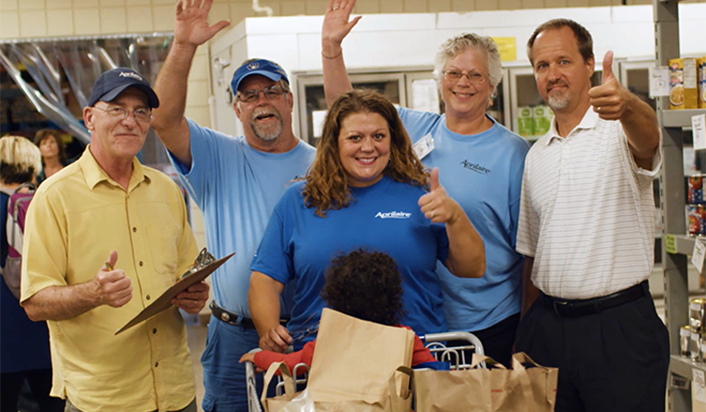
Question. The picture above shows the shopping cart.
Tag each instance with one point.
(459, 357)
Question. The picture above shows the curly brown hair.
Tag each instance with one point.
(326, 185)
(365, 285)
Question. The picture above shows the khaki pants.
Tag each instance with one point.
(189, 408)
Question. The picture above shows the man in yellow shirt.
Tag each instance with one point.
(104, 238)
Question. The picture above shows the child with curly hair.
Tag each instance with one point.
(362, 284)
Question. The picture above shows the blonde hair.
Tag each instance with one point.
(20, 159)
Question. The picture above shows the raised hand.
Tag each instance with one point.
(610, 100)
(436, 205)
(112, 286)
(191, 25)
(336, 23)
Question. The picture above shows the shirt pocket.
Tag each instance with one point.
(163, 241)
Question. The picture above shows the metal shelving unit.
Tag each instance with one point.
(675, 244)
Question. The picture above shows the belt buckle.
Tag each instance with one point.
(557, 305)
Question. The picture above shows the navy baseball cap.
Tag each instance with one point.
(263, 67)
(111, 83)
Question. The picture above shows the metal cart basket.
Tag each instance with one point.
(458, 356)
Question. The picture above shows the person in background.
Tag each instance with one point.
(53, 153)
(587, 231)
(235, 182)
(104, 238)
(480, 163)
(24, 354)
(366, 188)
(362, 284)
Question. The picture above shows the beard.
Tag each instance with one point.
(557, 99)
(270, 131)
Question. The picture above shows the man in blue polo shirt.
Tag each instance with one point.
(235, 181)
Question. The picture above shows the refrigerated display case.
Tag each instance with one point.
(408, 87)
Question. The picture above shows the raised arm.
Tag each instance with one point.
(263, 299)
(109, 287)
(336, 27)
(466, 251)
(191, 29)
(612, 101)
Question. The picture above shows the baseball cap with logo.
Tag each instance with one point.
(263, 67)
(113, 82)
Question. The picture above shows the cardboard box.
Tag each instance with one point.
(683, 86)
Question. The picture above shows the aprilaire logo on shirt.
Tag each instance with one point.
(393, 215)
(475, 167)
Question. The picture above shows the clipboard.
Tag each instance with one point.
(164, 301)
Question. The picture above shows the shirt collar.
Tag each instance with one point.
(589, 121)
(94, 174)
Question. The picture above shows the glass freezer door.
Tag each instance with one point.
(312, 102)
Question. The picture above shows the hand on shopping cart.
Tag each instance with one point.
(250, 357)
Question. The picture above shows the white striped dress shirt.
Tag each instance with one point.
(587, 212)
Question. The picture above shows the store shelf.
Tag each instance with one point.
(683, 366)
(679, 118)
(679, 244)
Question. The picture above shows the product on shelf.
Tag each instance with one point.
(696, 190)
(693, 220)
(702, 82)
(683, 92)
(541, 119)
(525, 124)
(685, 340)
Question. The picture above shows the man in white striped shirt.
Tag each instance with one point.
(587, 230)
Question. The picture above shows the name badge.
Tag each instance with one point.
(423, 146)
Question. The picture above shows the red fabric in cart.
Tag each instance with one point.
(265, 358)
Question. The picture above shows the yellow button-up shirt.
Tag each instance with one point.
(74, 221)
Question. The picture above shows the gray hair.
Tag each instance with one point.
(459, 44)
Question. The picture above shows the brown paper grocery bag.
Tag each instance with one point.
(459, 390)
(487, 390)
(354, 361)
(539, 383)
(276, 403)
(522, 389)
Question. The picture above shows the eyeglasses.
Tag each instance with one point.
(270, 93)
(141, 115)
(473, 76)
(301, 332)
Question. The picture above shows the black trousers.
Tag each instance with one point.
(39, 383)
(615, 360)
(497, 340)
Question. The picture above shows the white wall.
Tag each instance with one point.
(407, 40)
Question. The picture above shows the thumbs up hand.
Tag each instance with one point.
(436, 205)
(111, 286)
(610, 100)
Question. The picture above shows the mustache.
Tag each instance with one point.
(556, 83)
(265, 111)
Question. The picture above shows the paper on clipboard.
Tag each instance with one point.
(165, 300)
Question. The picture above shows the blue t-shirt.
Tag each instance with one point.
(24, 345)
(236, 188)
(483, 173)
(385, 217)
